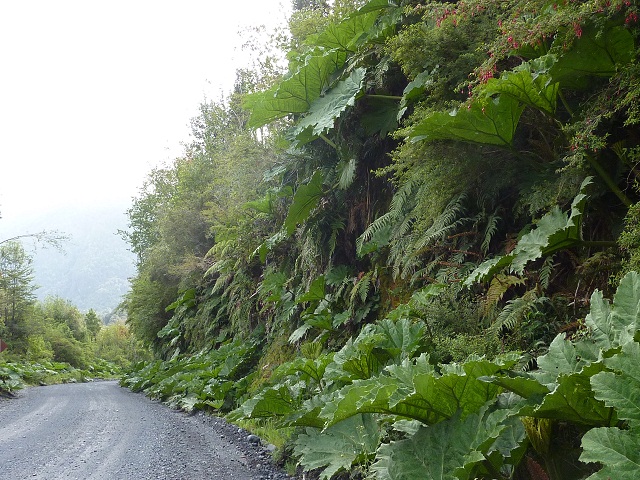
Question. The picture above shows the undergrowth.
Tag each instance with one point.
(17, 374)
(383, 407)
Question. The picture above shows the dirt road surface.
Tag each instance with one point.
(101, 431)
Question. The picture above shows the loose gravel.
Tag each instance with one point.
(98, 430)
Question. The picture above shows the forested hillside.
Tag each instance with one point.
(396, 253)
(92, 266)
(51, 340)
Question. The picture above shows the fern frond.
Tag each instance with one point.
(489, 231)
(389, 218)
(545, 272)
(362, 287)
(337, 225)
(450, 219)
(498, 287)
(515, 310)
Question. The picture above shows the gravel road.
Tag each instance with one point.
(101, 431)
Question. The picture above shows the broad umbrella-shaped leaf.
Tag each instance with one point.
(555, 231)
(339, 446)
(380, 115)
(565, 357)
(305, 199)
(298, 91)
(326, 109)
(345, 35)
(618, 450)
(279, 400)
(521, 384)
(615, 325)
(379, 393)
(372, 6)
(528, 83)
(308, 79)
(595, 53)
(413, 390)
(402, 338)
(625, 317)
(621, 389)
(445, 451)
(572, 400)
(492, 122)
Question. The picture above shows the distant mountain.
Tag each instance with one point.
(93, 269)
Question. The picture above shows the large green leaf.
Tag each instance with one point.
(298, 90)
(528, 83)
(401, 338)
(372, 6)
(304, 200)
(376, 346)
(326, 109)
(274, 401)
(339, 446)
(493, 122)
(625, 316)
(521, 384)
(618, 450)
(596, 53)
(360, 358)
(572, 400)
(565, 357)
(612, 326)
(555, 231)
(621, 389)
(415, 391)
(305, 369)
(376, 395)
(310, 77)
(380, 115)
(445, 451)
(315, 293)
(345, 34)
(580, 391)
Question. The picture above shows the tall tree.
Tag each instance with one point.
(16, 285)
(93, 323)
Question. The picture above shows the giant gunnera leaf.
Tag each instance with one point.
(304, 200)
(618, 450)
(554, 231)
(449, 450)
(324, 111)
(598, 52)
(492, 122)
(338, 447)
(298, 90)
(528, 83)
(620, 388)
(312, 76)
(345, 34)
(414, 390)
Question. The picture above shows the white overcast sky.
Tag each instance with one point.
(94, 93)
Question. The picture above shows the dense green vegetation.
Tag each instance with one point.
(92, 265)
(51, 340)
(399, 248)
